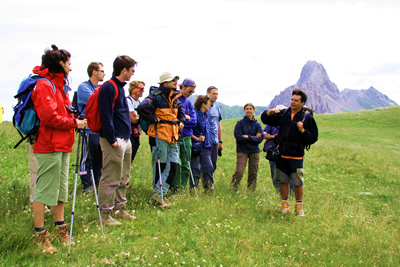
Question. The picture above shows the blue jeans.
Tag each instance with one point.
(202, 164)
(168, 153)
(272, 168)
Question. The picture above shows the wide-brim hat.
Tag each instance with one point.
(167, 77)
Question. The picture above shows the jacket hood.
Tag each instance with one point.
(56, 78)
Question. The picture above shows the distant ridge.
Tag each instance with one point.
(324, 96)
(231, 112)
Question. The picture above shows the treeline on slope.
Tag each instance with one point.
(232, 112)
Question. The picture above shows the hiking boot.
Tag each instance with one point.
(62, 233)
(285, 207)
(163, 202)
(123, 214)
(42, 239)
(176, 192)
(108, 220)
(209, 190)
(299, 210)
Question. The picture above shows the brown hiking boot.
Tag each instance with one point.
(62, 233)
(123, 214)
(299, 210)
(42, 239)
(108, 220)
(162, 201)
(285, 206)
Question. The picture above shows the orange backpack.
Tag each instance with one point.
(92, 113)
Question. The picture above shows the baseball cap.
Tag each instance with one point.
(167, 77)
(188, 82)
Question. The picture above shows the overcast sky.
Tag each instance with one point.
(250, 49)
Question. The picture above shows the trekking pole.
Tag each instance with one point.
(93, 182)
(73, 202)
(190, 167)
(159, 166)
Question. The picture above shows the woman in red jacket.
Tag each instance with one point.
(53, 143)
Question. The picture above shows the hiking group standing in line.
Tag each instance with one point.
(185, 140)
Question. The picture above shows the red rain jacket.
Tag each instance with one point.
(56, 130)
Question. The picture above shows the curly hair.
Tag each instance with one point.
(51, 59)
(201, 99)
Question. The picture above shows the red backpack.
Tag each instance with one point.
(92, 113)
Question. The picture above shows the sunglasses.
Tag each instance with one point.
(101, 71)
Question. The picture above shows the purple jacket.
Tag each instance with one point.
(189, 110)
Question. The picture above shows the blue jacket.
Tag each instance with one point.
(202, 128)
(115, 123)
(248, 127)
(293, 142)
(271, 130)
(189, 110)
(84, 91)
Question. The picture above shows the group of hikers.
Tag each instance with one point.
(185, 140)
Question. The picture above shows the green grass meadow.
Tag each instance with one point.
(351, 201)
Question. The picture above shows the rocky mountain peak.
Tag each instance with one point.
(313, 71)
(324, 96)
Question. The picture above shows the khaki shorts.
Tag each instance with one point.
(52, 178)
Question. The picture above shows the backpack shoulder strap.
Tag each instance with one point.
(158, 100)
(116, 91)
(54, 87)
(130, 99)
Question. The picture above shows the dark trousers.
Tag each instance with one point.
(96, 156)
(214, 155)
(93, 142)
(241, 162)
(135, 146)
(202, 164)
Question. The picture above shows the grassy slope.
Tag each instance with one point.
(351, 201)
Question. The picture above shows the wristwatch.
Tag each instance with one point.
(220, 142)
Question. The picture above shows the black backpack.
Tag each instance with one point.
(77, 112)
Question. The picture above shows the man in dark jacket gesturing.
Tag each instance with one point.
(297, 130)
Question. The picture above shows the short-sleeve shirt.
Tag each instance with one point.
(214, 117)
(132, 103)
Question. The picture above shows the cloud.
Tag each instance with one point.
(390, 68)
(251, 50)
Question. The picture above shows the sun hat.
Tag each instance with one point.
(167, 77)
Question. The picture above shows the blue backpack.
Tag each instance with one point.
(25, 119)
